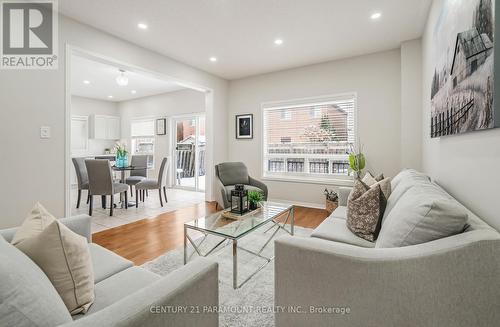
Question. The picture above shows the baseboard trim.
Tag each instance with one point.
(302, 204)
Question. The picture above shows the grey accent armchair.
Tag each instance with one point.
(82, 178)
(101, 183)
(228, 174)
(137, 176)
(153, 184)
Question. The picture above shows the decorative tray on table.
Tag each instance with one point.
(234, 216)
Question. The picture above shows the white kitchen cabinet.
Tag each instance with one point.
(105, 127)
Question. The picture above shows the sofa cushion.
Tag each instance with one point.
(334, 229)
(34, 224)
(27, 297)
(364, 210)
(118, 286)
(64, 257)
(247, 187)
(409, 175)
(424, 213)
(231, 173)
(339, 213)
(106, 263)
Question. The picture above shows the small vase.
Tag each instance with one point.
(253, 206)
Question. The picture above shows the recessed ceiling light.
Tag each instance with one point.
(142, 26)
(86, 82)
(376, 15)
(133, 91)
(213, 59)
(278, 41)
(110, 96)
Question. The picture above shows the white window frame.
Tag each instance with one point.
(308, 178)
(153, 136)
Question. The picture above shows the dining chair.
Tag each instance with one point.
(101, 183)
(153, 184)
(82, 178)
(139, 175)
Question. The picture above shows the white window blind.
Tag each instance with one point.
(142, 128)
(313, 142)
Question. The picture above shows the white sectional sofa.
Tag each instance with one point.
(338, 279)
(124, 295)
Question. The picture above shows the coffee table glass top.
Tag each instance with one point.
(229, 228)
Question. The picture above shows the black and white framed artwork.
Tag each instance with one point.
(244, 126)
(463, 78)
(161, 126)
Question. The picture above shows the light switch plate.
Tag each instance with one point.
(45, 132)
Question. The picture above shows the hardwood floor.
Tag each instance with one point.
(146, 239)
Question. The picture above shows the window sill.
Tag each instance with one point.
(308, 180)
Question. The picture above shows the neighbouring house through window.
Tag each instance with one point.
(309, 139)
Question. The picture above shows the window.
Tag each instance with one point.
(313, 144)
(286, 114)
(315, 112)
(143, 138)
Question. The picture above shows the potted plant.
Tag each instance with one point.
(357, 161)
(255, 197)
(121, 155)
(331, 200)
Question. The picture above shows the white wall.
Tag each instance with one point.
(30, 99)
(465, 165)
(411, 102)
(160, 106)
(377, 80)
(87, 107)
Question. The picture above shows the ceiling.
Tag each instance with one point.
(241, 33)
(102, 83)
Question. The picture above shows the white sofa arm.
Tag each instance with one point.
(448, 282)
(343, 193)
(81, 224)
(194, 287)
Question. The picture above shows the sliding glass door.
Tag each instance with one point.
(189, 152)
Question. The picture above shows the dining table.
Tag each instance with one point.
(122, 171)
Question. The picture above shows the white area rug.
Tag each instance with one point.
(250, 305)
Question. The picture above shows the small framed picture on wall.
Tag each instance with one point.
(161, 126)
(244, 126)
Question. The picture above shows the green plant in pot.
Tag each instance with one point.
(357, 161)
(255, 197)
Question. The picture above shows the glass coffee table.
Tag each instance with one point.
(230, 231)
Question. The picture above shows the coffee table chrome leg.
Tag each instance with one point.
(185, 245)
(235, 264)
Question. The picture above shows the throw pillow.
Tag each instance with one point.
(368, 179)
(34, 224)
(364, 211)
(64, 257)
(379, 177)
(421, 215)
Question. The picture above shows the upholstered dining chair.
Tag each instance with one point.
(137, 176)
(101, 183)
(153, 184)
(228, 174)
(82, 178)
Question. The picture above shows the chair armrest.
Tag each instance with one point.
(220, 194)
(432, 284)
(79, 224)
(194, 287)
(259, 184)
(343, 193)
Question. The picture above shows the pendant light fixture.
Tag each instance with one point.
(122, 80)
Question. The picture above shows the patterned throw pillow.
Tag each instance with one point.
(365, 208)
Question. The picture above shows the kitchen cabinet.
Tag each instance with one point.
(105, 127)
